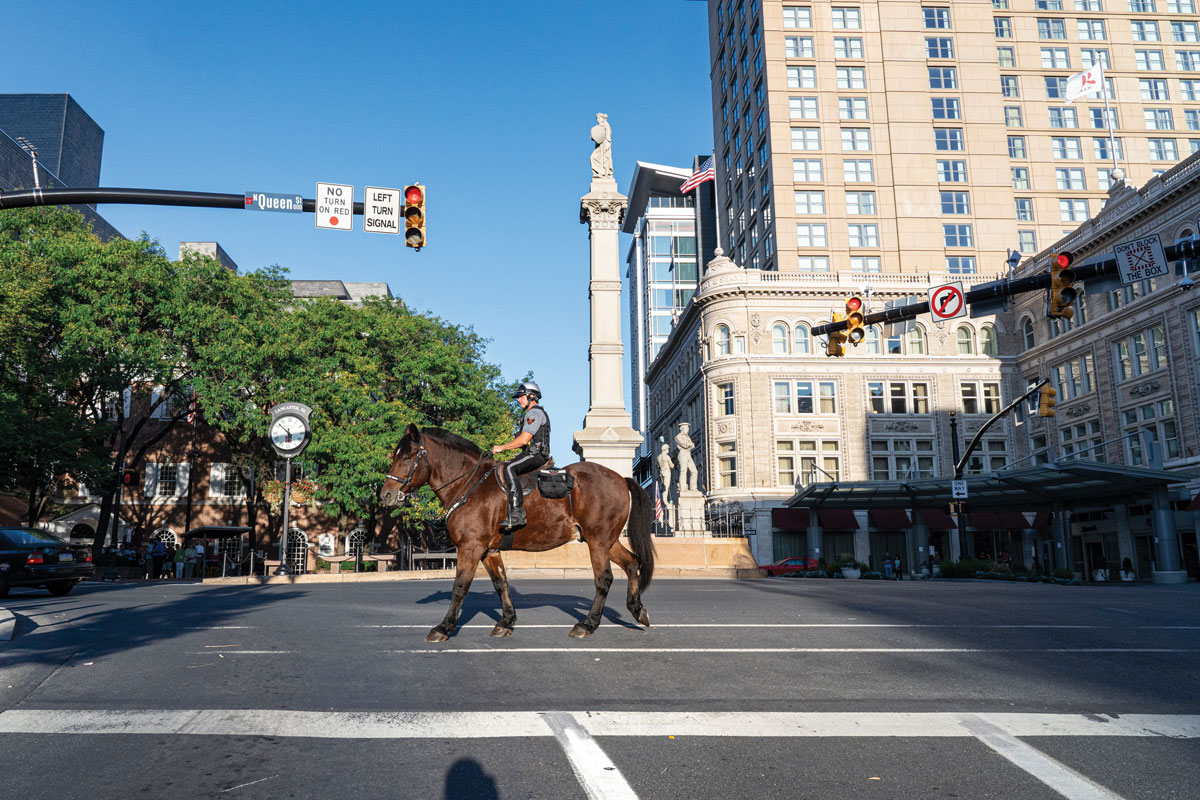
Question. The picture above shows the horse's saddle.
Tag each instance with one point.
(551, 482)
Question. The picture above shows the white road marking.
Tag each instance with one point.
(512, 724)
(244, 652)
(1053, 773)
(594, 770)
(819, 625)
(251, 783)
(1097, 650)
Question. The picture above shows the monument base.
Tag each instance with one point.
(689, 514)
(613, 447)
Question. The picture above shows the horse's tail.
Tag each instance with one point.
(641, 520)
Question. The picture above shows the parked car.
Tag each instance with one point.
(790, 566)
(31, 557)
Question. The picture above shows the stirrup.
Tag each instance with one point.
(515, 519)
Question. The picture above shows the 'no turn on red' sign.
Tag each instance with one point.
(947, 301)
(335, 206)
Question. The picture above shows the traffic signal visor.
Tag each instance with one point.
(1062, 286)
(834, 346)
(1046, 401)
(855, 332)
(414, 216)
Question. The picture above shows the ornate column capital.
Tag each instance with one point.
(603, 213)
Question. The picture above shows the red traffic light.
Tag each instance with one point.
(413, 194)
(854, 304)
(1062, 260)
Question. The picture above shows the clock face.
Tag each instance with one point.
(287, 433)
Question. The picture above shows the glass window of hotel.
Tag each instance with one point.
(915, 346)
(990, 455)
(1104, 182)
(1020, 177)
(847, 47)
(945, 108)
(1000, 4)
(797, 17)
(1052, 29)
(852, 108)
(901, 459)
(813, 263)
(1027, 333)
(1071, 178)
(779, 338)
(1150, 60)
(1145, 31)
(1144, 352)
(936, 17)
(1191, 119)
(1027, 242)
(856, 140)
(948, 138)
(865, 264)
(1063, 118)
(898, 397)
(1006, 56)
(727, 464)
(810, 202)
(798, 47)
(806, 138)
(1073, 209)
(1056, 88)
(802, 341)
(1181, 6)
(1003, 27)
(858, 203)
(987, 340)
(810, 235)
(1104, 118)
(1066, 147)
(802, 107)
(1089, 5)
(958, 236)
(1158, 119)
(1184, 32)
(858, 171)
(863, 235)
(952, 171)
(1012, 117)
(1163, 150)
(1090, 57)
(943, 77)
(806, 170)
(1187, 60)
(802, 77)
(1024, 208)
(939, 47)
(1091, 30)
(1056, 58)
(1009, 86)
(1156, 420)
(966, 341)
(785, 460)
(1080, 439)
(722, 339)
(1103, 148)
(960, 265)
(1048, 5)
(847, 18)
(851, 78)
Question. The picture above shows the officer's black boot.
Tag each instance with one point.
(516, 508)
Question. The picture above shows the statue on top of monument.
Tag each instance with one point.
(665, 464)
(602, 166)
(687, 467)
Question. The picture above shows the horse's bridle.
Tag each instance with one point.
(406, 483)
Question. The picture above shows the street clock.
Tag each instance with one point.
(290, 431)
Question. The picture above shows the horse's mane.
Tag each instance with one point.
(453, 439)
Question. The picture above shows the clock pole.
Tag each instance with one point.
(288, 448)
(282, 569)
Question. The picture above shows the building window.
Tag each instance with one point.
(948, 138)
(1104, 118)
(226, 481)
(1158, 119)
(1020, 178)
(1181, 6)
(952, 171)
(806, 139)
(803, 339)
(1090, 57)
(1070, 178)
(858, 203)
(1056, 58)
(1016, 147)
(1006, 57)
(798, 47)
(901, 459)
(723, 340)
(851, 77)
(939, 47)
(966, 341)
(1024, 208)
(813, 263)
(1148, 60)
(810, 202)
(991, 455)
(1027, 242)
(802, 77)
(852, 108)
(1052, 29)
(1056, 88)
(1063, 118)
(898, 397)
(943, 78)
(1073, 209)
(1074, 378)
(865, 264)
(727, 464)
(1142, 353)
(1027, 333)
(1089, 5)
(858, 171)
(779, 339)
(725, 402)
(1103, 148)
(1066, 147)
(797, 17)
(1012, 117)
(810, 235)
(1153, 421)
(844, 47)
(936, 17)
(1009, 86)
(960, 265)
(1187, 60)
(1145, 6)
(1091, 30)
(958, 236)
(1048, 5)
(856, 139)
(167, 483)
(800, 460)
(1080, 439)
(1003, 26)
(1163, 150)
(847, 19)
(987, 340)
(863, 235)
(802, 108)
(945, 108)
(1184, 32)
(956, 203)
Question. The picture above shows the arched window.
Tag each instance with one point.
(722, 337)
(987, 340)
(803, 339)
(1027, 333)
(966, 341)
(916, 340)
(779, 338)
(297, 551)
(872, 341)
(356, 542)
(165, 536)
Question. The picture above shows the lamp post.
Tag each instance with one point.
(290, 432)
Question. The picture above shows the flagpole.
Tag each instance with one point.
(1112, 143)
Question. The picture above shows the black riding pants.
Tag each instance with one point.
(527, 461)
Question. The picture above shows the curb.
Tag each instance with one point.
(8, 624)
(684, 573)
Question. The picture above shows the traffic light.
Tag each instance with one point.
(1187, 248)
(835, 346)
(855, 332)
(414, 216)
(1046, 401)
(129, 478)
(1062, 287)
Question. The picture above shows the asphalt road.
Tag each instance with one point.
(774, 688)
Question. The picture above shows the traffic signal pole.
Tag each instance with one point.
(996, 290)
(28, 198)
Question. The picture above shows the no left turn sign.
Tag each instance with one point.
(947, 301)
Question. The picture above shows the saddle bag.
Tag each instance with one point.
(555, 484)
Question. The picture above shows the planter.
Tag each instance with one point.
(1100, 575)
(1128, 576)
(851, 573)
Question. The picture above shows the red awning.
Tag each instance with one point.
(984, 520)
(938, 520)
(790, 519)
(1041, 520)
(1194, 505)
(837, 518)
(1012, 520)
(890, 519)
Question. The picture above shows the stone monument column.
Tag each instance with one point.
(608, 436)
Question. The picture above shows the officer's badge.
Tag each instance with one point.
(529, 420)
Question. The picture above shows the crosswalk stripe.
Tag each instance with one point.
(523, 626)
(510, 650)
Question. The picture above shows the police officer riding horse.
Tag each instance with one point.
(533, 439)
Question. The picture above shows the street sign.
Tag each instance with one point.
(269, 201)
(947, 301)
(335, 206)
(958, 490)
(381, 210)
(1140, 259)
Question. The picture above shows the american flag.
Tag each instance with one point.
(704, 173)
(658, 509)
(191, 414)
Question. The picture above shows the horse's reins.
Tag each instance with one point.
(406, 482)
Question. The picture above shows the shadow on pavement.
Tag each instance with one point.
(466, 780)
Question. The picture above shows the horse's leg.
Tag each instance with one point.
(495, 568)
(468, 561)
(628, 562)
(602, 569)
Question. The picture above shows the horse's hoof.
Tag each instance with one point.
(580, 632)
(643, 618)
(500, 630)
(436, 636)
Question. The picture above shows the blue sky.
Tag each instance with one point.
(488, 104)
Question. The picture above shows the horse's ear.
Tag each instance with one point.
(414, 432)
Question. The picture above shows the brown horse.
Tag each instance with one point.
(599, 506)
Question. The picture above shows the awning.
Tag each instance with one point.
(1012, 520)
(938, 520)
(890, 518)
(983, 520)
(1041, 520)
(790, 519)
(837, 518)
(1194, 505)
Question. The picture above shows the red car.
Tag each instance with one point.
(790, 566)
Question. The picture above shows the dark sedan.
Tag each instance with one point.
(30, 557)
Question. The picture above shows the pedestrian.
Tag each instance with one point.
(200, 557)
(180, 559)
(169, 560)
(896, 567)
(189, 567)
(157, 552)
(145, 561)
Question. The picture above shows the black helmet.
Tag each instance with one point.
(529, 388)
